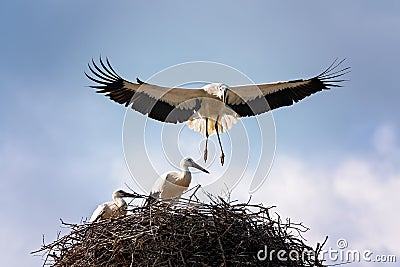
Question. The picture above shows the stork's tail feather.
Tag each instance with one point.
(224, 124)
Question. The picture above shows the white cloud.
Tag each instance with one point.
(385, 141)
(357, 198)
(372, 196)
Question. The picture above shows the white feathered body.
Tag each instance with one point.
(112, 209)
(171, 185)
(214, 110)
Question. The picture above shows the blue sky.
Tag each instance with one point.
(337, 157)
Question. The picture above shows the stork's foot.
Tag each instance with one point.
(222, 157)
(205, 155)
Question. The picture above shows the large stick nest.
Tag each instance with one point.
(189, 233)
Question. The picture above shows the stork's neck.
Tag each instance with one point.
(184, 168)
(184, 178)
(119, 201)
(185, 175)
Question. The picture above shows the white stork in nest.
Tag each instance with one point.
(214, 108)
(112, 209)
(171, 185)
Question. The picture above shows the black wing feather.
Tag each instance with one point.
(114, 87)
(290, 95)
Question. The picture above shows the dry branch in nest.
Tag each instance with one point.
(189, 233)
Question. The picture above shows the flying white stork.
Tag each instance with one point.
(172, 184)
(213, 108)
(112, 209)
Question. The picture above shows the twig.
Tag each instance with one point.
(218, 233)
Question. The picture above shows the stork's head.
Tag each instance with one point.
(188, 162)
(222, 90)
(217, 89)
(121, 193)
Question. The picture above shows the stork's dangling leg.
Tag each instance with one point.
(206, 150)
(222, 157)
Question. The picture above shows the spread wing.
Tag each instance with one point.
(160, 103)
(250, 100)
